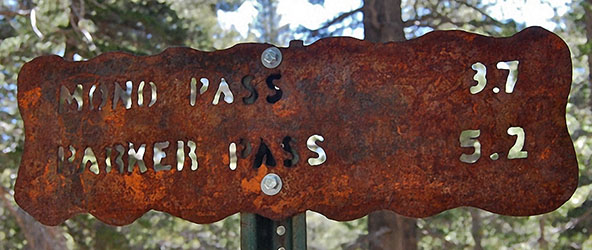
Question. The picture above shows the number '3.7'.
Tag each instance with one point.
(481, 76)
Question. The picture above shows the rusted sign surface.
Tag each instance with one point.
(449, 119)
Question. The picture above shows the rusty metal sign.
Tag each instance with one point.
(343, 127)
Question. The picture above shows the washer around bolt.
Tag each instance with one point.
(271, 57)
(271, 184)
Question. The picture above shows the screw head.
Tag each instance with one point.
(271, 184)
(271, 57)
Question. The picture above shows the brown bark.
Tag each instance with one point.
(543, 243)
(476, 228)
(383, 21)
(387, 230)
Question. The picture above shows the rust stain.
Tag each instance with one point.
(253, 184)
(390, 116)
(32, 98)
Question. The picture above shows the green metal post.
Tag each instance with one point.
(260, 233)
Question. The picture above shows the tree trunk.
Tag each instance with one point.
(476, 228)
(382, 21)
(387, 230)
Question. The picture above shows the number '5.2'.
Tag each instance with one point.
(469, 139)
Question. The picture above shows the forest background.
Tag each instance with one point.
(82, 29)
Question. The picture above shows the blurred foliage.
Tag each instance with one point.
(82, 29)
(267, 25)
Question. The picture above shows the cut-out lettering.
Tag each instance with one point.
(66, 96)
(89, 156)
(141, 94)
(123, 95)
(104, 96)
(204, 85)
(516, 151)
(278, 92)
(60, 159)
(225, 89)
(468, 139)
(288, 148)
(312, 146)
(263, 152)
(193, 94)
(480, 76)
(232, 156)
(61, 156)
(153, 94)
(108, 167)
(72, 154)
(194, 163)
(246, 148)
(193, 84)
(159, 154)
(119, 158)
(91, 95)
(246, 81)
(494, 156)
(134, 156)
(512, 67)
(180, 155)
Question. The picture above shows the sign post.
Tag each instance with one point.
(258, 232)
(343, 127)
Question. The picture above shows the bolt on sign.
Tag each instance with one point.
(342, 126)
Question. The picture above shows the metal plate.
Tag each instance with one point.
(391, 116)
